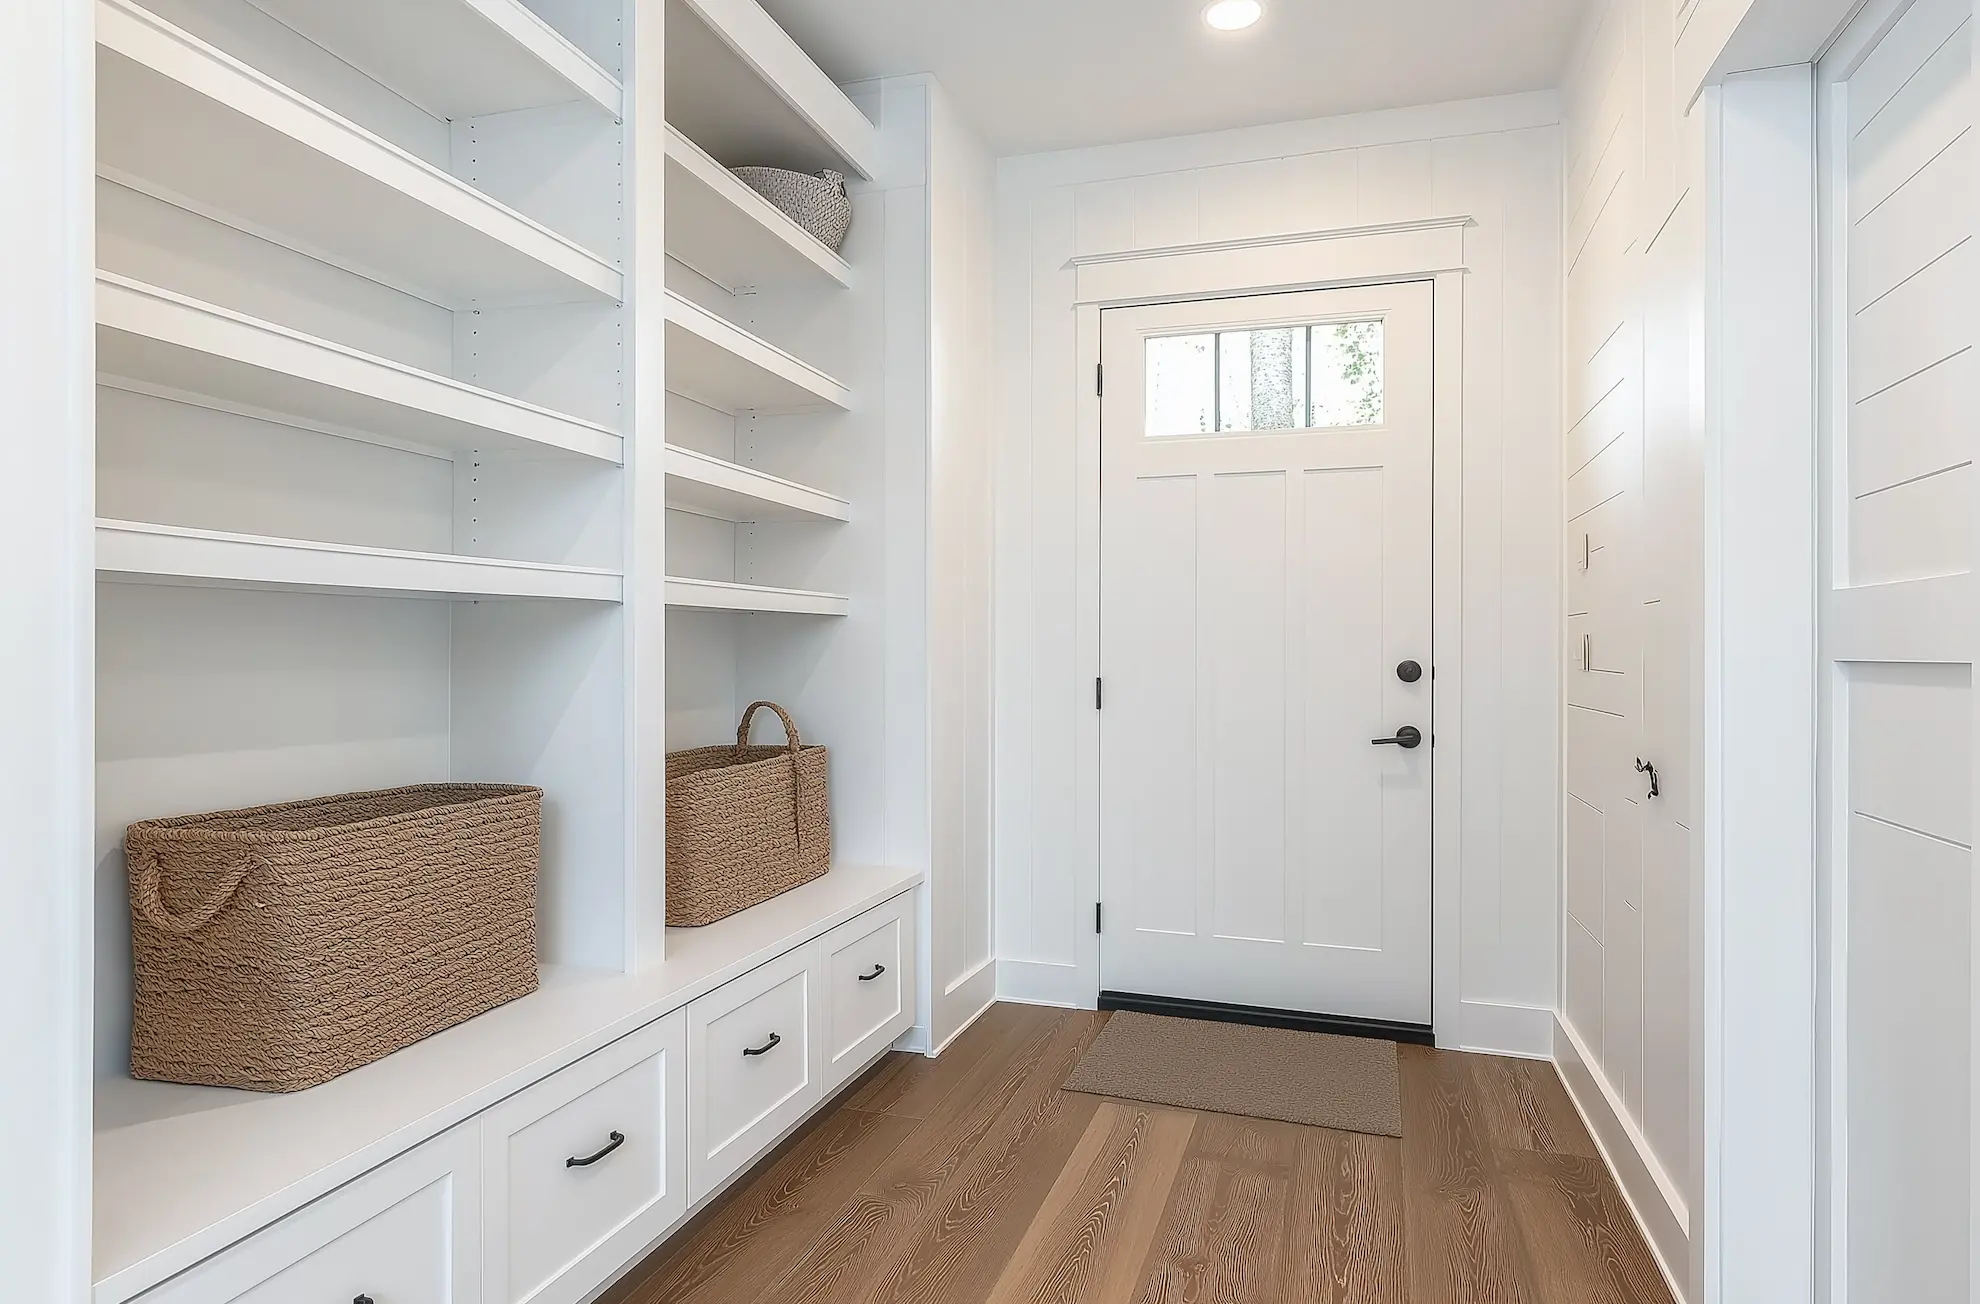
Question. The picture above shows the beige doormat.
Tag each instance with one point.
(1345, 1083)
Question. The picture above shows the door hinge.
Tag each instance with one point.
(1099, 380)
(1099, 694)
(1096, 916)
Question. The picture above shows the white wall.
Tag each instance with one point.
(1634, 425)
(47, 54)
(1497, 161)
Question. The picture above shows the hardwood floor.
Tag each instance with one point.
(972, 1179)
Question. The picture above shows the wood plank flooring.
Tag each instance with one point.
(972, 1179)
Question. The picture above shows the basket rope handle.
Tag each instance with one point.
(145, 895)
(790, 726)
(794, 745)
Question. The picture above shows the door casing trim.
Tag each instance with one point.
(1342, 258)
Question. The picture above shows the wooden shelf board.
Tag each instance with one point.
(718, 595)
(499, 56)
(183, 1172)
(723, 366)
(709, 486)
(157, 342)
(139, 553)
(184, 122)
(740, 87)
(734, 236)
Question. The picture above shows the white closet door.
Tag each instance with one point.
(1896, 628)
(1265, 573)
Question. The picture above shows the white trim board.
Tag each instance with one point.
(1221, 271)
(733, 236)
(500, 56)
(740, 86)
(720, 365)
(345, 195)
(756, 599)
(156, 342)
(133, 552)
(1653, 1198)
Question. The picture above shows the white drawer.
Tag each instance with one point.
(868, 964)
(750, 1069)
(406, 1233)
(583, 1170)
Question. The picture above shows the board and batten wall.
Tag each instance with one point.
(1633, 421)
(1497, 161)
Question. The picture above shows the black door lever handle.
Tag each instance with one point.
(1408, 738)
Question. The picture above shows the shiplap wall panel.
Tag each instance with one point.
(1902, 448)
(1632, 444)
(1273, 181)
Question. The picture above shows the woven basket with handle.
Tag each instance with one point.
(744, 823)
(816, 201)
(279, 947)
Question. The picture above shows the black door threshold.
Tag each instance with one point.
(1259, 1016)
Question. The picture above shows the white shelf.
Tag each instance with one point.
(714, 362)
(742, 89)
(189, 124)
(455, 58)
(138, 553)
(158, 342)
(182, 1172)
(709, 486)
(734, 236)
(716, 595)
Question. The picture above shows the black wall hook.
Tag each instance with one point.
(1644, 767)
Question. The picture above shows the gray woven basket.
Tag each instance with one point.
(744, 823)
(279, 947)
(818, 202)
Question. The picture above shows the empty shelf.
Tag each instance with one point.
(715, 595)
(137, 553)
(184, 122)
(741, 88)
(709, 486)
(163, 343)
(498, 55)
(734, 236)
(719, 364)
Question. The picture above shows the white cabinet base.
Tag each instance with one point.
(584, 1169)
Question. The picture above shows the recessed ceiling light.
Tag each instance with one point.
(1233, 15)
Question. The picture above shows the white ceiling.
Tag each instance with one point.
(1052, 74)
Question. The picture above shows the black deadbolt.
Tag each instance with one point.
(1409, 672)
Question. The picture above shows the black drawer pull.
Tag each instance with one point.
(618, 1139)
(878, 969)
(775, 1041)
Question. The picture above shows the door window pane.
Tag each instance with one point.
(1182, 385)
(1248, 382)
(1261, 380)
(1347, 374)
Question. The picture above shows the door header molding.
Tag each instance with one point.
(1309, 260)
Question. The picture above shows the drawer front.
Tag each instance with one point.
(585, 1168)
(868, 967)
(751, 1075)
(406, 1233)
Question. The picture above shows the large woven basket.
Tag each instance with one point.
(279, 947)
(816, 201)
(744, 823)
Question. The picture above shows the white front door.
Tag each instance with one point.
(1265, 587)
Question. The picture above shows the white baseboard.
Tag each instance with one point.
(1653, 1198)
(989, 999)
(1031, 982)
(1519, 1031)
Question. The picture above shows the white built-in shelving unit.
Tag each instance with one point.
(440, 357)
